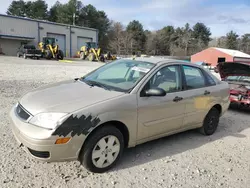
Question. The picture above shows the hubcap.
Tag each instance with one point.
(105, 151)
(211, 123)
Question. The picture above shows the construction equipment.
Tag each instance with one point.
(92, 52)
(108, 56)
(50, 49)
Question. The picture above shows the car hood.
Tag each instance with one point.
(233, 69)
(66, 96)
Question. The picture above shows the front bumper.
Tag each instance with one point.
(34, 55)
(43, 149)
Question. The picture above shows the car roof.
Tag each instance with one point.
(159, 60)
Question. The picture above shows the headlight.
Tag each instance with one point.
(48, 120)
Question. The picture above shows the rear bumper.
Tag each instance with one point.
(43, 149)
(235, 99)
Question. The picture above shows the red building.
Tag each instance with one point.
(215, 55)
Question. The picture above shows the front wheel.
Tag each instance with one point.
(91, 57)
(210, 122)
(48, 54)
(60, 55)
(102, 150)
(82, 56)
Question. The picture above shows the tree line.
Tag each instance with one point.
(119, 39)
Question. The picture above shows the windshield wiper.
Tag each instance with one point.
(94, 83)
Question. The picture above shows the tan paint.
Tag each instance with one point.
(146, 118)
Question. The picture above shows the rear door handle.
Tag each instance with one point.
(177, 99)
(206, 92)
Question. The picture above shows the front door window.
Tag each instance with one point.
(167, 78)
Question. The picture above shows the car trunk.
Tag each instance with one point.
(239, 89)
(233, 69)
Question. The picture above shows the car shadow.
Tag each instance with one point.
(230, 125)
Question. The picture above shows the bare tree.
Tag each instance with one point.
(126, 42)
(116, 37)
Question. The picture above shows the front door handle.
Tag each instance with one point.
(206, 92)
(177, 99)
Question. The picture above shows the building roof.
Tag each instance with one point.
(16, 37)
(47, 22)
(234, 53)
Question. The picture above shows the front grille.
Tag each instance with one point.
(21, 112)
(40, 154)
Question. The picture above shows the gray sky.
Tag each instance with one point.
(220, 15)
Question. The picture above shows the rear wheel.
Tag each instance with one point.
(211, 122)
(102, 59)
(102, 150)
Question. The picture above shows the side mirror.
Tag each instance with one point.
(157, 92)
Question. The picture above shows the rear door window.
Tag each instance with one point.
(194, 77)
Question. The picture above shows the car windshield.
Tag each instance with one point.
(238, 79)
(120, 75)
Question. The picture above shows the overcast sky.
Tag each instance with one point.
(220, 15)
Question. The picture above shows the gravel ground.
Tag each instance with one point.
(183, 160)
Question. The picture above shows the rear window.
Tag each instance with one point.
(238, 79)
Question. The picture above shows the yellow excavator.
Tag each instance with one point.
(92, 52)
(49, 48)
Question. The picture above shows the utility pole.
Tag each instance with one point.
(74, 19)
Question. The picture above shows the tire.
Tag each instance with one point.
(102, 59)
(48, 54)
(60, 55)
(91, 57)
(24, 56)
(104, 134)
(210, 122)
(82, 56)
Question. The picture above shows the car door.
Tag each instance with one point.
(161, 115)
(197, 92)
